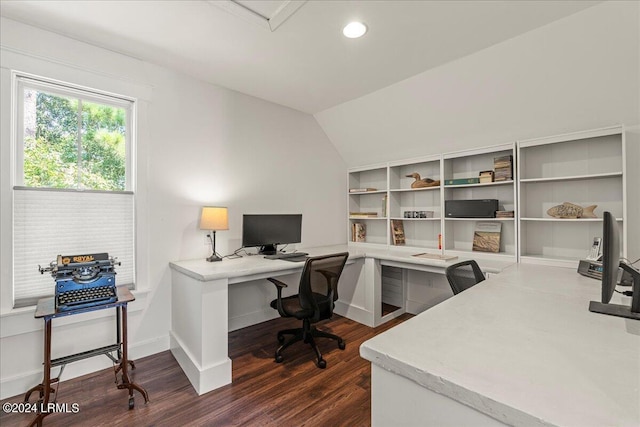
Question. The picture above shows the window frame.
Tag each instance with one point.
(20, 81)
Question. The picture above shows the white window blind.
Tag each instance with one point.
(48, 223)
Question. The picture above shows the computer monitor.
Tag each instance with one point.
(610, 266)
(267, 231)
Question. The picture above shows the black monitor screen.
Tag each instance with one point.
(267, 231)
(610, 267)
(610, 256)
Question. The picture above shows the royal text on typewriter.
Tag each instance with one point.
(83, 280)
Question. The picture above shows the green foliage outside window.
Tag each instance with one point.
(73, 144)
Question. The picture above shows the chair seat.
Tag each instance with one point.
(291, 306)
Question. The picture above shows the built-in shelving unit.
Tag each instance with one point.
(420, 232)
(458, 232)
(373, 183)
(583, 168)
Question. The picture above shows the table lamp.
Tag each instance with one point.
(214, 218)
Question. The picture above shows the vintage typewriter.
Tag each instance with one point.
(83, 280)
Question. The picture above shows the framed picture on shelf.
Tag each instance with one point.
(358, 232)
(397, 232)
(486, 237)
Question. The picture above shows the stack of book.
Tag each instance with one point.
(362, 190)
(503, 168)
(504, 214)
(363, 214)
(486, 177)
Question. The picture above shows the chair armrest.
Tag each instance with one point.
(279, 286)
(278, 283)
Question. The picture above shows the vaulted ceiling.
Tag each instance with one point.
(292, 52)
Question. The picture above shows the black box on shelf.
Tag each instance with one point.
(480, 208)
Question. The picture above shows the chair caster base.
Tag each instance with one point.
(322, 364)
(342, 345)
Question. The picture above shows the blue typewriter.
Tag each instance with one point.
(83, 280)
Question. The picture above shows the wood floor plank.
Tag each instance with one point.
(263, 393)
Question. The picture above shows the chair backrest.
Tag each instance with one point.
(319, 283)
(463, 275)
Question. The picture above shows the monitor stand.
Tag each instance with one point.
(613, 310)
(268, 250)
(618, 310)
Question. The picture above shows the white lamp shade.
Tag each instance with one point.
(214, 218)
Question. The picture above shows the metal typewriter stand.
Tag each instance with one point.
(46, 310)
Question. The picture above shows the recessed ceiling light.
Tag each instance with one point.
(353, 30)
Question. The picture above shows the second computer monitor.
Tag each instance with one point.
(610, 267)
(267, 231)
(610, 256)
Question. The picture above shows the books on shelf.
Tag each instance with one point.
(503, 168)
(504, 214)
(358, 232)
(384, 206)
(363, 214)
(486, 177)
(486, 237)
(462, 181)
(362, 190)
(397, 232)
(436, 256)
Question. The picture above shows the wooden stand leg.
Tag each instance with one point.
(124, 362)
(44, 388)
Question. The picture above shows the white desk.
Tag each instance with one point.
(520, 348)
(200, 301)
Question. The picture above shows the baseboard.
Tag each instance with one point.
(19, 384)
(352, 312)
(202, 378)
(250, 319)
(416, 307)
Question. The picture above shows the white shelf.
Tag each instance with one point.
(479, 219)
(584, 168)
(410, 190)
(566, 219)
(359, 193)
(368, 218)
(415, 219)
(573, 178)
(481, 184)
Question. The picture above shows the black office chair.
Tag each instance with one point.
(463, 275)
(317, 292)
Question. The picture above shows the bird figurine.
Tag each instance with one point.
(422, 182)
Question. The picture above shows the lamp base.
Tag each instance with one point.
(213, 258)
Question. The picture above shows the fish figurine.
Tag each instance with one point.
(569, 210)
(422, 182)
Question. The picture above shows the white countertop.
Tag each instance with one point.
(255, 265)
(249, 265)
(523, 348)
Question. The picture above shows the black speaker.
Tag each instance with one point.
(481, 208)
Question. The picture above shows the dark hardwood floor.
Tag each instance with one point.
(263, 393)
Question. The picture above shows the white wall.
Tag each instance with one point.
(581, 72)
(197, 144)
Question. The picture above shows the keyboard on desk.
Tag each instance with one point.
(287, 255)
(86, 297)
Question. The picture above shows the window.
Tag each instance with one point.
(73, 190)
